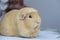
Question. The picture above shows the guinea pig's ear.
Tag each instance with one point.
(22, 16)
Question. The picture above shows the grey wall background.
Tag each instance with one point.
(49, 11)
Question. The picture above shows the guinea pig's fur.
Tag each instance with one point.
(23, 23)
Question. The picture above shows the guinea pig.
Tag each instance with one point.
(21, 23)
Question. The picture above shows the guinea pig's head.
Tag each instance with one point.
(31, 19)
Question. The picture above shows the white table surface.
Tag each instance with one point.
(43, 35)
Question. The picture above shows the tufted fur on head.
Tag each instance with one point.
(24, 23)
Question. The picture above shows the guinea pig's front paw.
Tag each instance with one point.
(33, 35)
(28, 35)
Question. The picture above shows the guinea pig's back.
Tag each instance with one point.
(8, 24)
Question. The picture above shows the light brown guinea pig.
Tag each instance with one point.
(22, 23)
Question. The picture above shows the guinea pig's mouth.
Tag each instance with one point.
(36, 25)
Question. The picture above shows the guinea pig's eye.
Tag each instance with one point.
(30, 16)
